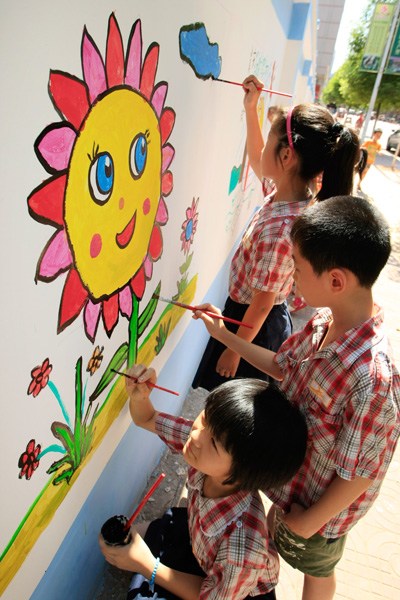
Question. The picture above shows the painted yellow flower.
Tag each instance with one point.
(110, 160)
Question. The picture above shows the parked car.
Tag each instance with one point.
(393, 140)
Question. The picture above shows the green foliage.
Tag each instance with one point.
(76, 443)
(351, 87)
(162, 337)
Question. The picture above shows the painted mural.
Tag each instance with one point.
(109, 160)
(125, 182)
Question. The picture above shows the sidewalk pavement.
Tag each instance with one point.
(370, 567)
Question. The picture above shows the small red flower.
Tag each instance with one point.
(28, 461)
(40, 377)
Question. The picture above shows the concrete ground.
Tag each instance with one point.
(370, 567)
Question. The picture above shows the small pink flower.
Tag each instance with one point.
(40, 377)
(28, 461)
(189, 226)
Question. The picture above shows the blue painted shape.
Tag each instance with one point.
(298, 20)
(306, 67)
(198, 52)
(234, 180)
(283, 10)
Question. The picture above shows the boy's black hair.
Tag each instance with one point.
(322, 145)
(346, 232)
(263, 432)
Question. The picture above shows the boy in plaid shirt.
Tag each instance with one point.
(219, 548)
(338, 371)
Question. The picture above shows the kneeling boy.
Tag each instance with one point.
(249, 436)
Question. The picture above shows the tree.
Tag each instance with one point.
(353, 87)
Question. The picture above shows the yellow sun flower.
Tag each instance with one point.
(110, 160)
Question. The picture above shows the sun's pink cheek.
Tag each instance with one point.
(146, 206)
(95, 245)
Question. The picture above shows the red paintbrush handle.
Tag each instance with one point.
(228, 319)
(143, 502)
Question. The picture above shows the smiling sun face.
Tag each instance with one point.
(113, 190)
(109, 158)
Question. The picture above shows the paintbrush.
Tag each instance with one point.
(259, 89)
(143, 502)
(207, 312)
(150, 383)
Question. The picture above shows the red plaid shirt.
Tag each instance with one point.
(349, 393)
(229, 535)
(263, 260)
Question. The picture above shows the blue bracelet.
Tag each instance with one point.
(153, 575)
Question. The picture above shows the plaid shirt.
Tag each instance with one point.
(349, 393)
(263, 260)
(229, 535)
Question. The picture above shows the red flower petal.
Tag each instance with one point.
(31, 387)
(110, 313)
(46, 202)
(114, 54)
(138, 283)
(30, 446)
(149, 70)
(69, 96)
(155, 246)
(73, 300)
(134, 56)
(167, 121)
(167, 183)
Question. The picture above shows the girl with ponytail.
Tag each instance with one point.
(304, 142)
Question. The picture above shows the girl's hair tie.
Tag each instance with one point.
(337, 129)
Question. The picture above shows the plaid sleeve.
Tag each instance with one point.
(272, 261)
(174, 431)
(368, 424)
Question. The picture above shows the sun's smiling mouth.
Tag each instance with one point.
(126, 234)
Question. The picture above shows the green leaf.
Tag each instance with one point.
(183, 268)
(58, 463)
(147, 314)
(117, 361)
(63, 433)
(65, 475)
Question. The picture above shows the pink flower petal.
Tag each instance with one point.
(125, 301)
(167, 156)
(56, 146)
(94, 72)
(148, 267)
(134, 56)
(162, 212)
(57, 256)
(158, 97)
(91, 316)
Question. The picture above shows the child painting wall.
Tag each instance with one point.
(124, 179)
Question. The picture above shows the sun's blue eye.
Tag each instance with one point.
(101, 177)
(138, 155)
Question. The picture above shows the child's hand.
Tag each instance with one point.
(228, 363)
(141, 374)
(252, 88)
(215, 327)
(294, 520)
(135, 556)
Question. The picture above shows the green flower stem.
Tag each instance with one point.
(133, 332)
(60, 402)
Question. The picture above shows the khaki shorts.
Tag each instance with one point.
(316, 556)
